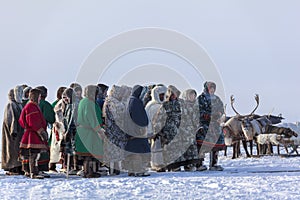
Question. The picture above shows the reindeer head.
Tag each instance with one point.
(246, 120)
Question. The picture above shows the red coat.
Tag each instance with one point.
(33, 121)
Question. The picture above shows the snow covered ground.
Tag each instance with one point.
(267, 177)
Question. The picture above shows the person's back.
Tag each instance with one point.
(12, 133)
(138, 149)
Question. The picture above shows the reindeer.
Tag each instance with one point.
(255, 125)
(234, 133)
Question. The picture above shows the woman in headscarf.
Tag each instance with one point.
(12, 132)
(137, 148)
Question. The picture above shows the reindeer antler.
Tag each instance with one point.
(232, 101)
(257, 103)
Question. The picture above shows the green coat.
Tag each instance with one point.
(47, 111)
(87, 140)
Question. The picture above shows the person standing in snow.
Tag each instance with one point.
(35, 137)
(12, 133)
(166, 125)
(52, 164)
(188, 128)
(88, 139)
(114, 110)
(49, 116)
(152, 107)
(137, 148)
(68, 141)
(210, 138)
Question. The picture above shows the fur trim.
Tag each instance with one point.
(156, 91)
(189, 95)
(172, 90)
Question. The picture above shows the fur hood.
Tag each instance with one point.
(91, 92)
(156, 91)
(11, 95)
(172, 90)
(18, 93)
(26, 90)
(189, 95)
(126, 91)
(120, 93)
(115, 92)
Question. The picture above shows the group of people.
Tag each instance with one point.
(130, 129)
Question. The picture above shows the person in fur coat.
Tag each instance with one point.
(54, 135)
(152, 107)
(166, 125)
(114, 110)
(210, 138)
(137, 148)
(173, 123)
(12, 133)
(188, 128)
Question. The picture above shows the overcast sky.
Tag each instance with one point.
(255, 45)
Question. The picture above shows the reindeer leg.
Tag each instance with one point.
(245, 147)
(225, 151)
(271, 148)
(234, 150)
(251, 147)
(238, 150)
